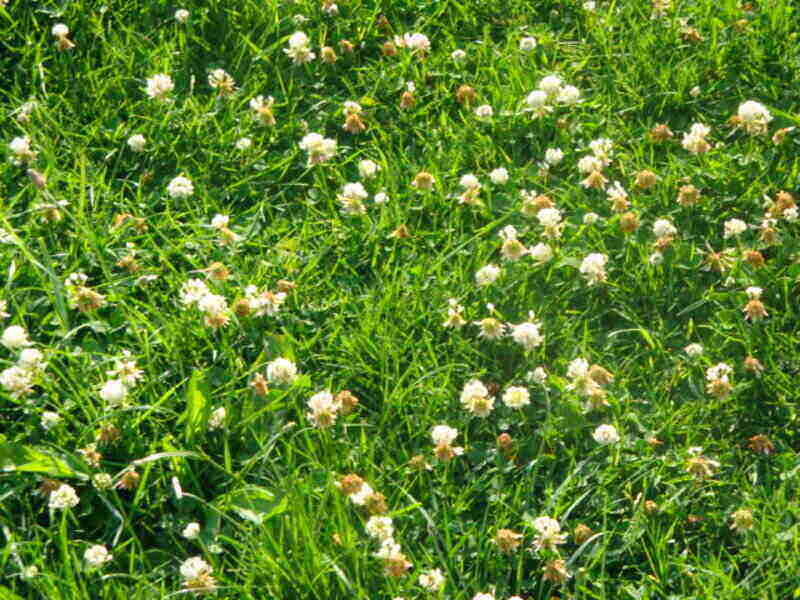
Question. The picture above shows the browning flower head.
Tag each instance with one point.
(650, 507)
(347, 401)
(350, 484)
(646, 179)
(217, 271)
(346, 46)
(742, 520)
(661, 133)
(423, 181)
(688, 195)
(129, 480)
(600, 375)
(407, 100)
(718, 261)
(629, 222)
(259, 385)
(400, 233)
(701, 466)
(108, 434)
(754, 310)
(418, 463)
(353, 124)
(761, 444)
(780, 135)
(582, 533)
(753, 365)
(754, 258)
(595, 180)
(86, 299)
(555, 571)
(507, 541)
(783, 201)
(505, 442)
(328, 55)
(466, 95)
(376, 504)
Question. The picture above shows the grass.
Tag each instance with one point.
(367, 311)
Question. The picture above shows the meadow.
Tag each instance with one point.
(401, 300)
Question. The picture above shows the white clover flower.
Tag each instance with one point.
(663, 228)
(323, 409)
(656, 258)
(734, 227)
(244, 143)
(516, 397)
(60, 30)
(695, 140)
(538, 376)
(593, 268)
(443, 434)
(753, 292)
(432, 580)
(15, 337)
(527, 334)
(484, 111)
(319, 149)
(137, 142)
(475, 398)
(113, 392)
(180, 187)
(590, 218)
(549, 217)
(549, 533)
(536, 100)
(217, 418)
(469, 181)
(720, 371)
(97, 555)
(181, 15)
(606, 434)
(299, 50)
(381, 198)
(569, 95)
(21, 151)
(218, 222)
(693, 350)
(553, 156)
(282, 371)
(413, 41)
(527, 44)
(212, 304)
(487, 275)
(193, 290)
(194, 568)
(63, 497)
(754, 117)
(589, 6)
(50, 419)
(16, 381)
(499, 176)
(551, 85)
(379, 527)
(578, 368)
(191, 531)
(541, 253)
(352, 198)
(368, 169)
(590, 164)
(159, 86)
(602, 149)
(458, 55)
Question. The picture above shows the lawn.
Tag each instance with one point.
(455, 300)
